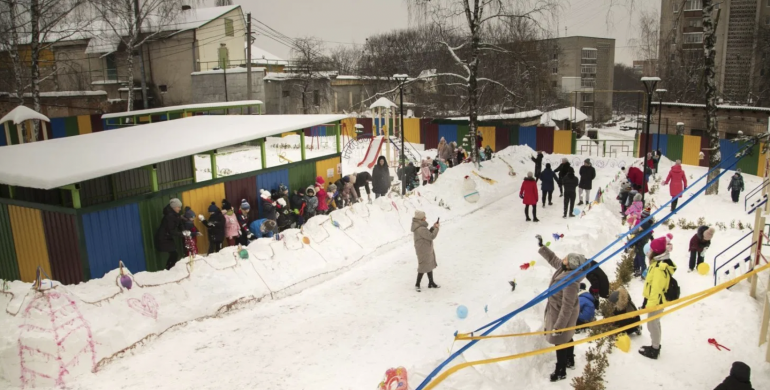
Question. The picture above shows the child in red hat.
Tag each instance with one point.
(657, 283)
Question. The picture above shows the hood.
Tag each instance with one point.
(416, 223)
(621, 294)
(741, 372)
(676, 169)
(701, 230)
(310, 191)
(320, 180)
(588, 295)
(383, 159)
(575, 260)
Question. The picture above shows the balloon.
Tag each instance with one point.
(532, 263)
(623, 342)
(644, 274)
(462, 311)
(306, 240)
(244, 254)
(703, 268)
(647, 249)
(576, 211)
(548, 243)
(126, 282)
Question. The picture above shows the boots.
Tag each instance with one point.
(560, 373)
(650, 352)
(433, 285)
(580, 203)
(571, 362)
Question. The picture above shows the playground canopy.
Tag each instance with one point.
(383, 103)
(21, 114)
(64, 161)
(185, 108)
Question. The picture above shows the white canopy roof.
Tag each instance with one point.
(518, 115)
(21, 114)
(187, 107)
(563, 114)
(384, 103)
(62, 161)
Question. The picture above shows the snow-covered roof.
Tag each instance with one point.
(383, 102)
(563, 114)
(281, 76)
(197, 17)
(21, 114)
(720, 106)
(186, 107)
(104, 43)
(69, 160)
(229, 71)
(262, 56)
(518, 115)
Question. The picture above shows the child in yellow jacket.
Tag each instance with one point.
(656, 285)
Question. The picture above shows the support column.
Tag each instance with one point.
(194, 169)
(153, 177)
(45, 130)
(337, 131)
(213, 157)
(11, 192)
(7, 133)
(302, 143)
(74, 189)
(263, 153)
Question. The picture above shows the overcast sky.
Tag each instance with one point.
(352, 21)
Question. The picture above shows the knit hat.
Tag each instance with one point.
(226, 205)
(282, 188)
(582, 286)
(213, 208)
(310, 191)
(264, 194)
(332, 188)
(646, 212)
(587, 161)
(638, 197)
(419, 215)
(530, 174)
(659, 245)
(738, 170)
(319, 180)
(188, 213)
(281, 202)
(614, 297)
(175, 203)
(346, 179)
(575, 260)
(245, 205)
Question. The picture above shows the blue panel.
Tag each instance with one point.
(270, 181)
(3, 141)
(660, 142)
(528, 136)
(57, 128)
(112, 235)
(448, 132)
(379, 123)
(105, 126)
(728, 150)
(318, 131)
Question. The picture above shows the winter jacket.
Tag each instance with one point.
(678, 180)
(232, 229)
(587, 176)
(285, 218)
(321, 195)
(444, 151)
(736, 183)
(243, 224)
(598, 280)
(169, 229)
(624, 305)
(311, 201)
(528, 191)
(739, 379)
(268, 209)
(362, 180)
(587, 308)
(570, 184)
(349, 193)
(216, 226)
(258, 229)
(658, 278)
(636, 177)
(461, 156)
(655, 160)
(562, 170)
(547, 178)
(562, 309)
(538, 163)
(423, 245)
(425, 170)
(411, 173)
(623, 195)
(297, 202)
(635, 211)
(698, 242)
(381, 177)
(640, 243)
(630, 198)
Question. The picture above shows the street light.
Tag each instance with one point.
(401, 78)
(660, 93)
(649, 86)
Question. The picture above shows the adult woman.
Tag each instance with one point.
(381, 177)
(570, 183)
(423, 245)
(678, 180)
(547, 178)
(170, 228)
(528, 194)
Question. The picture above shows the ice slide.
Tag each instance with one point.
(372, 152)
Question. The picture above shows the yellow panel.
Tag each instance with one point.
(145, 119)
(199, 200)
(349, 127)
(288, 134)
(322, 168)
(691, 150)
(762, 162)
(488, 133)
(562, 142)
(412, 130)
(29, 237)
(84, 124)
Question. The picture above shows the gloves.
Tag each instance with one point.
(250, 236)
(539, 240)
(521, 196)
(200, 216)
(556, 334)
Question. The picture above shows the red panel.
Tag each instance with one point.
(642, 144)
(61, 238)
(704, 144)
(429, 133)
(308, 132)
(240, 189)
(96, 123)
(367, 123)
(545, 139)
(502, 135)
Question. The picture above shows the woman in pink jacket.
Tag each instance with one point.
(678, 180)
(320, 193)
(232, 228)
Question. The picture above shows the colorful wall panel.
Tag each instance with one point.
(150, 216)
(761, 162)
(9, 267)
(113, 235)
(690, 150)
(462, 133)
(513, 135)
(528, 136)
(545, 137)
(84, 124)
(301, 175)
(449, 133)
(71, 126)
(749, 163)
(58, 128)
(429, 134)
(412, 130)
(660, 142)
(502, 139)
(61, 239)
(728, 150)
(488, 135)
(237, 190)
(562, 142)
(4, 138)
(675, 147)
(272, 180)
(29, 237)
(200, 199)
(367, 124)
(704, 146)
(348, 127)
(97, 124)
(324, 167)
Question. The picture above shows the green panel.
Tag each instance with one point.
(462, 132)
(675, 147)
(301, 175)
(150, 215)
(513, 135)
(71, 126)
(175, 115)
(574, 143)
(750, 163)
(14, 134)
(9, 268)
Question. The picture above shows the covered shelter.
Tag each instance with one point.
(22, 115)
(137, 117)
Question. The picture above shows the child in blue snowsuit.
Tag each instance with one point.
(262, 228)
(587, 306)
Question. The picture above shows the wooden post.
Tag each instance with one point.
(213, 157)
(11, 192)
(337, 131)
(7, 133)
(765, 321)
(302, 143)
(20, 132)
(195, 170)
(45, 130)
(263, 153)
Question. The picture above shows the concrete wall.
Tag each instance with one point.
(285, 97)
(212, 35)
(170, 63)
(730, 121)
(209, 87)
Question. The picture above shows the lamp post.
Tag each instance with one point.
(401, 78)
(660, 93)
(649, 86)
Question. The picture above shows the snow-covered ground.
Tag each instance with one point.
(335, 314)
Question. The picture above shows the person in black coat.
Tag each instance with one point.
(621, 303)
(587, 176)
(538, 164)
(570, 183)
(243, 221)
(362, 180)
(170, 229)
(562, 171)
(598, 280)
(381, 177)
(739, 379)
(547, 178)
(216, 228)
(409, 174)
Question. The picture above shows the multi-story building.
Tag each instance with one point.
(582, 69)
(739, 55)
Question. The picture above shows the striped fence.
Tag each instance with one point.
(687, 148)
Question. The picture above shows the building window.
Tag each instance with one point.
(695, 22)
(589, 56)
(672, 57)
(163, 88)
(676, 6)
(229, 29)
(285, 94)
(588, 71)
(767, 19)
(554, 70)
(111, 67)
(691, 38)
(587, 83)
(587, 97)
(693, 5)
(316, 98)
(554, 84)
(555, 56)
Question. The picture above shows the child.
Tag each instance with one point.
(333, 197)
(488, 152)
(268, 206)
(635, 211)
(243, 221)
(739, 378)
(736, 185)
(191, 245)
(656, 285)
(322, 199)
(639, 262)
(311, 201)
(621, 304)
(699, 242)
(284, 215)
(587, 306)
(216, 228)
(232, 229)
(425, 171)
(625, 190)
(262, 228)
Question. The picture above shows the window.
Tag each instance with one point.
(555, 56)
(554, 84)
(554, 70)
(587, 83)
(672, 57)
(229, 29)
(587, 97)
(111, 67)
(693, 38)
(695, 22)
(767, 20)
(316, 98)
(224, 56)
(676, 6)
(589, 56)
(163, 88)
(693, 5)
(588, 71)
(285, 94)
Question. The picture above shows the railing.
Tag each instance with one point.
(748, 258)
(601, 148)
(759, 202)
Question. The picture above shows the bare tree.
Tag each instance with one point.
(222, 3)
(345, 59)
(311, 71)
(135, 22)
(647, 39)
(709, 69)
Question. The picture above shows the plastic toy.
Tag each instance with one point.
(395, 379)
(717, 345)
(462, 312)
(623, 342)
(558, 236)
(703, 268)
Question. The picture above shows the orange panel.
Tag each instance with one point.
(29, 237)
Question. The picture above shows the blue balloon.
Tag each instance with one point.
(644, 274)
(647, 249)
(462, 311)
(576, 211)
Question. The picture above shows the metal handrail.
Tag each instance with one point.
(753, 192)
(732, 258)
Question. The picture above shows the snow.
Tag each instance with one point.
(21, 114)
(720, 106)
(229, 70)
(383, 102)
(64, 161)
(260, 55)
(518, 115)
(196, 18)
(569, 113)
(337, 313)
(186, 107)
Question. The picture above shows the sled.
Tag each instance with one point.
(486, 179)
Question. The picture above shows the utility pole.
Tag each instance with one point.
(141, 55)
(248, 58)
